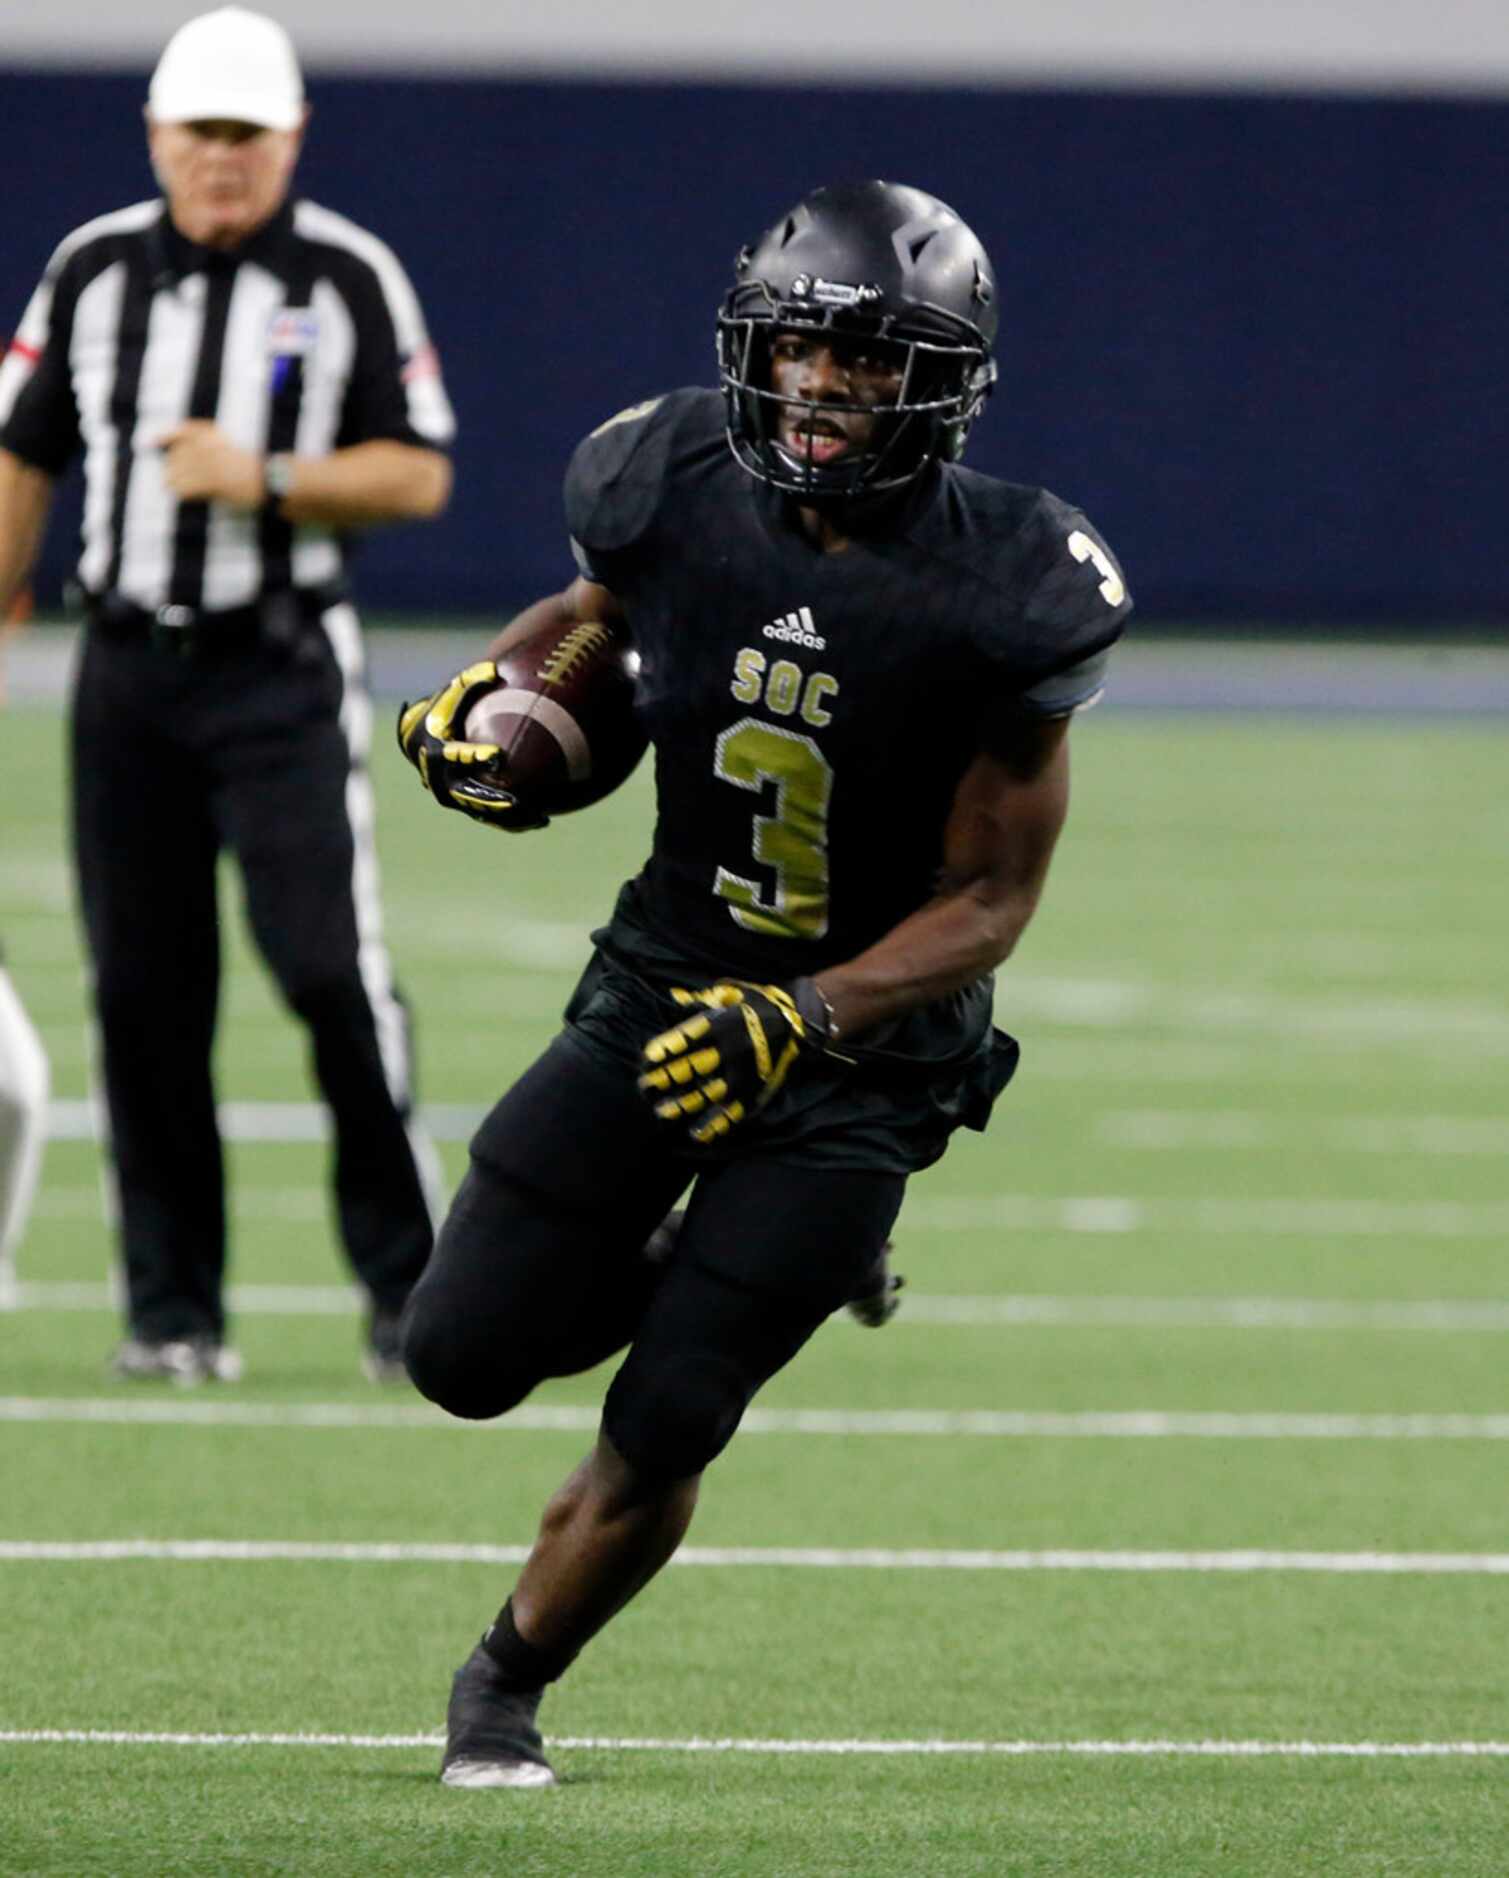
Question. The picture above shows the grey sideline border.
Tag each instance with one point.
(1324, 677)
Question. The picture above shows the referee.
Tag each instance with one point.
(247, 377)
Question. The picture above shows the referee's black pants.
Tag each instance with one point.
(257, 749)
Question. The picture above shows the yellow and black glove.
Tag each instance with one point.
(724, 1063)
(461, 775)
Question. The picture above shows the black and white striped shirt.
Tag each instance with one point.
(306, 339)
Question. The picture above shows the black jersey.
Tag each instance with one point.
(813, 713)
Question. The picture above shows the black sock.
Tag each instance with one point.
(524, 1665)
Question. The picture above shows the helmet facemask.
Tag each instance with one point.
(946, 375)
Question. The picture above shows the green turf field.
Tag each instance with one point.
(1164, 1535)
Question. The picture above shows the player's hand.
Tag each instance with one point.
(725, 1061)
(461, 775)
(201, 464)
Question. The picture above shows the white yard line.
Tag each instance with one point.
(1425, 1135)
(284, 1204)
(1127, 1066)
(1261, 1218)
(1153, 1129)
(1478, 1028)
(279, 1122)
(1437, 1314)
(694, 1744)
(243, 1300)
(815, 1558)
(1150, 1424)
(1426, 1314)
(1093, 1214)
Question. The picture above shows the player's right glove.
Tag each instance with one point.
(726, 1061)
(461, 775)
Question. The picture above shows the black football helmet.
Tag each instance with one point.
(873, 261)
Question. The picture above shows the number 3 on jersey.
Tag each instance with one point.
(792, 843)
(1112, 588)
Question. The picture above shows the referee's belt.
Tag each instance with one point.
(202, 632)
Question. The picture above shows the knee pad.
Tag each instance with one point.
(459, 1371)
(671, 1419)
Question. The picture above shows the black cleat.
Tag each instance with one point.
(879, 1298)
(490, 1736)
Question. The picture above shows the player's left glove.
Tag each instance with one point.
(461, 775)
(728, 1059)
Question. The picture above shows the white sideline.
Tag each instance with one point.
(920, 1307)
(875, 1558)
(693, 1744)
(1146, 1424)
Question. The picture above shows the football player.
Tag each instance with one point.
(858, 664)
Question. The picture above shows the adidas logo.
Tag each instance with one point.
(797, 629)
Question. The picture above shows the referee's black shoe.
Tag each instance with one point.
(490, 1736)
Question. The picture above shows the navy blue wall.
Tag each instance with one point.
(1261, 340)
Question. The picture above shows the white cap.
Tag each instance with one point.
(229, 64)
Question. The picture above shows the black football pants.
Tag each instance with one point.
(538, 1269)
(258, 751)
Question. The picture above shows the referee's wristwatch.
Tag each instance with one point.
(277, 480)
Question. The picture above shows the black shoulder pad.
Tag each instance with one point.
(617, 474)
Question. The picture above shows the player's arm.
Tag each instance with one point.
(25, 499)
(381, 480)
(1006, 817)
(583, 600)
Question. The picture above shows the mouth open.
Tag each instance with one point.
(816, 440)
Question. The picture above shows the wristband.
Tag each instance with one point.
(816, 1009)
(277, 479)
(830, 1022)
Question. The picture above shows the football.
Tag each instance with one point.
(562, 713)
